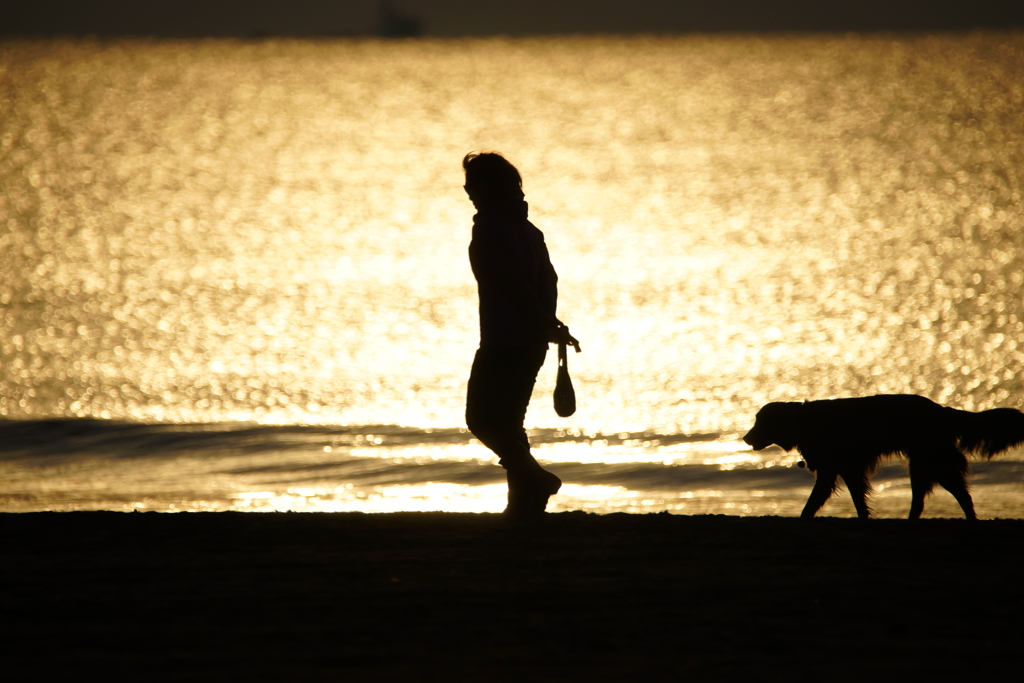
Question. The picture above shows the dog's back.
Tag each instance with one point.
(871, 427)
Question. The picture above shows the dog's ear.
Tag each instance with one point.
(790, 425)
(783, 422)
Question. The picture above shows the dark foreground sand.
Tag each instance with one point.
(434, 596)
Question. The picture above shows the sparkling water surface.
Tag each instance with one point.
(235, 273)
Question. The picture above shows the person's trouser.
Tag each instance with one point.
(499, 391)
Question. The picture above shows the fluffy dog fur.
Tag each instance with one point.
(848, 437)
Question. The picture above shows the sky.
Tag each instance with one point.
(449, 18)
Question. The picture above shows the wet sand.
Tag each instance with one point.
(436, 596)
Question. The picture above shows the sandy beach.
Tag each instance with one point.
(440, 596)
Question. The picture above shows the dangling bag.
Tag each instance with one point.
(565, 395)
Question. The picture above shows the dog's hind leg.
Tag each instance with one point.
(954, 479)
(859, 487)
(824, 487)
(958, 487)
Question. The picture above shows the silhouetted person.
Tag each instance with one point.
(518, 295)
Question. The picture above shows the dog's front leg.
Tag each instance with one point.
(824, 487)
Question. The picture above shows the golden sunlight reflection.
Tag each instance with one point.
(731, 225)
(426, 497)
(439, 496)
(725, 452)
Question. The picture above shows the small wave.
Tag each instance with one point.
(121, 439)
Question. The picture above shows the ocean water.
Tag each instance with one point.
(234, 273)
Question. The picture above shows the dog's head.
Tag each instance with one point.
(776, 423)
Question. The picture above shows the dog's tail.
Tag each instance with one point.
(991, 432)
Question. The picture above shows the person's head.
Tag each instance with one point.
(491, 178)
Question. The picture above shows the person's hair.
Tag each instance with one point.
(490, 176)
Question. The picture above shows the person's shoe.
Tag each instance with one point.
(528, 492)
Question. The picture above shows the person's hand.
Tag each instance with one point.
(560, 335)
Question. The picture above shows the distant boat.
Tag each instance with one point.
(396, 24)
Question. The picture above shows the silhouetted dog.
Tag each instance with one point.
(847, 437)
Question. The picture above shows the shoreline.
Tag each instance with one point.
(460, 596)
